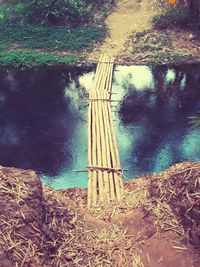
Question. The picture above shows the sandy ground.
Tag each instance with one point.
(127, 16)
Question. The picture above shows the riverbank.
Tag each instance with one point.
(156, 224)
(38, 46)
(44, 39)
(131, 41)
(149, 33)
(157, 47)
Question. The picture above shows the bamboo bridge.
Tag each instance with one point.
(104, 170)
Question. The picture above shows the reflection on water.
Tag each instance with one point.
(154, 115)
(43, 120)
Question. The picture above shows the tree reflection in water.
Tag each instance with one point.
(37, 123)
(163, 111)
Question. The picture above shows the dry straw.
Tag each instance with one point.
(53, 228)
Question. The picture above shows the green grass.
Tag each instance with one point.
(29, 59)
(49, 39)
(28, 45)
(32, 46)
(1, 12)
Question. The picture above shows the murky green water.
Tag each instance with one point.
(43, 120)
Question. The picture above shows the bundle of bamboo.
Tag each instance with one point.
(104, 171)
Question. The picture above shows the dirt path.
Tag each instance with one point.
(133, 16)
(127, 16)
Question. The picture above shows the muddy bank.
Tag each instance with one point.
(156, 224)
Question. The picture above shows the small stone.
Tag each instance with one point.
(192, 36)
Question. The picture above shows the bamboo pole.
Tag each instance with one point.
(101, 70)
(108, 169)
(115, 184)
(108, 151)
(99, 158)
(110, 78)
(105, 116)
(113, 157)
(116, 152)
(105, 86)
(104, 75)
(94, 155)
(97, 74)
(89, 154)
(103, 129)
(98, 174)
(103, 148)
(112, 154)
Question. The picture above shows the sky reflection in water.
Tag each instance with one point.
(43, 120)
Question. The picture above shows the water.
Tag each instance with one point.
(43, 120)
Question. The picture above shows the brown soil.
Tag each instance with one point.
(146, 229)
(157, 250)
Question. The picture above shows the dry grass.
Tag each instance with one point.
(137, 262)
(107, 246)
(135, 195)
(53, 228)
(62, 237)
(174, 197)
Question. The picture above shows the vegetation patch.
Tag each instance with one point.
(31, 46)
(150, 41)
(49, 38)
(47, 26)
(183, 14)
(155, 47)
(70, 13)
(28, 59)
(171, 17)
